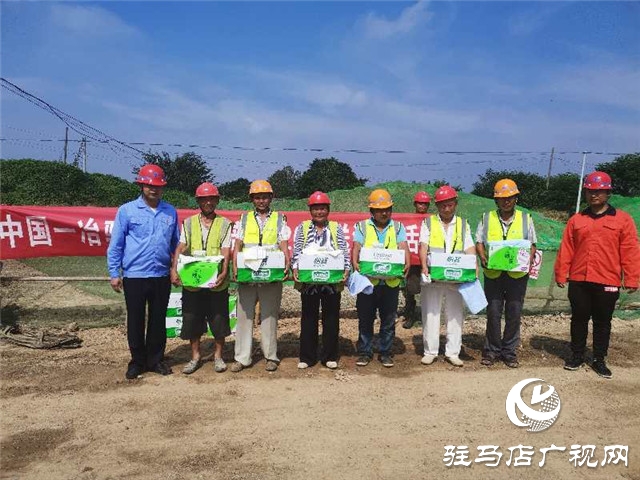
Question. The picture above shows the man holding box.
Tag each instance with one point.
(145, 234)
(598, 255)
(380, 252)
(205, 235)
(505, 285)
(447, 233)
(263, 231)
(317, 241)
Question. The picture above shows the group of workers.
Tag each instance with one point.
(599, 254)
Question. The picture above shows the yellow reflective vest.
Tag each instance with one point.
(437, 239)
(493, 232)
(253, 237)
(389, 241)
(217, 232)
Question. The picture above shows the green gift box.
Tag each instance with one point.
(382, 263)
(509, 255)
(321, 267)
(199, 272)
(271, 268)
(174, 315)
(452, 267)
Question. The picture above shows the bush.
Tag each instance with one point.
(625, 174)
(35, 182)
(38, 182)
(533, 188)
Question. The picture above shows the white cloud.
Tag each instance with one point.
(90, 21)
(615, 85)
(379, 27)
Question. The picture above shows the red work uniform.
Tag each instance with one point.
(598, 254)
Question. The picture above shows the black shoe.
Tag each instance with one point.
(574, 363)
(601, 368)
(363, 361)
(408, 323)
(161, 368)
(386, 361)
(134, 371)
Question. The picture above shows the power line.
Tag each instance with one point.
(332, 150)
(78, 126)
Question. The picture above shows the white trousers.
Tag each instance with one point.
(431, 297)
(269, 295)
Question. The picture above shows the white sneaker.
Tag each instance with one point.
(332, 365)
(455, 361)
(428, 359)
(303, 365)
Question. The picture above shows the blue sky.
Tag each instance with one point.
(419, 77)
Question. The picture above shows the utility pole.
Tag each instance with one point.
(84, 163)
(550, 163)
(66, 143)
(584, 161)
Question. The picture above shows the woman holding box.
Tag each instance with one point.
(311, 238)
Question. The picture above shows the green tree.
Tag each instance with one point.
(625, 174)
(235, 191)
(285, 182)
(184, 172)
(532, 186)
(438, 183)
(327, 174)
(562, 193)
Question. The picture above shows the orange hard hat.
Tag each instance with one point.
(505, 188)
(445, 192)
(319, 198)
(380, 198)
(422, 197)
(597, 181)
(151, 174)
(207, 190)
(260, 186)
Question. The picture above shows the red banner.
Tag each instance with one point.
(27, 232)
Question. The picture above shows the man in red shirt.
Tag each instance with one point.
(598, 255)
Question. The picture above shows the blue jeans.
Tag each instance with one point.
(384, 299)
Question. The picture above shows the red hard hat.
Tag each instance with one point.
(597, 181)
(207, 190)
(445, 192)
(319, 198)
(422, 197)
(151, 174)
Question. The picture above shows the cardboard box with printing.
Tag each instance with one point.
(268, 269)
(321, 267)
(452, 267)
(509, 255)
(381, 263)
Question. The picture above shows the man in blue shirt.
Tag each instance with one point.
(378, 232)
(145, 234)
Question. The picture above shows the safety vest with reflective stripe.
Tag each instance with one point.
(493, 232)
(437, 237)
(193, 235)
(253, 237)
(389, 241)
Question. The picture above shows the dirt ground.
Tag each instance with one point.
(70, 414)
